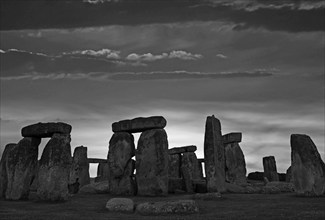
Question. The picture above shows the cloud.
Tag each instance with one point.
(287, 15)
(176, 54)
(221, 56)
(105, 53)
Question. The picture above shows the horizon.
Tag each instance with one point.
(258, 66)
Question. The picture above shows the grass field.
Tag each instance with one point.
(231, 206)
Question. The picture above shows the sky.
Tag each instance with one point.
(257, 65)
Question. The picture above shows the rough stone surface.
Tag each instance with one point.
(3, 169)
(207, 196)
(282, 186)
(259, 176)
(235, 164)
(95, 188)
(307, 167)
(152, 163)
(234, 137)
(102, 172)
(139, 124)
(79, 173)
(234, 188)
(270, 171)
(175, 184)
(34, 184)
(289, 178)
(54, 169)
(179, 150)
(270, 190)
(174, 169)
(120, 205)
(214, 155)
(168, 207)
(121, 166)
(21, 165)
(190, 170)
(96, 160)
(42, 130)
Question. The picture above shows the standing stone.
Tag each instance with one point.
(214, 156)
(152, 163)
(289, 175)
(307, 167)
(235, 164)
(54, 169)
(270, 171)
(139, 124)
(79, 174)
(190, 170)
(42, 130)
(174, 167)
(3, 169)
(21, 165)
(102, 172)
(121, 165)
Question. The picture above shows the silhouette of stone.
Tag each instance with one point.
(42, 130)
(175, 184)
(289, 175)
(152, 163)
(139, 124)
(259, 176)
(201, 160)
(79, 174)
(102, 172)
(174, 167)
(34, 184)
(95, 188)
(21, 165)
(168, 207)
(270, 171)
(307, 167)
(96, 160)
(234, 137)
(190, 170)
(179, 150)
(282, 177)
(54, 169)
(214, 155)
(235, 164)
(124, 205)
(200, 185)
(121, 166)
(3, 169)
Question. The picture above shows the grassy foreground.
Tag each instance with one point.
(231, 206)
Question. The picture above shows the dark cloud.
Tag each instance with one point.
(290, 15)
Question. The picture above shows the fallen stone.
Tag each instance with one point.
(233, 188)
(235, 164)
(175, 184)
(214, 156)
(174, 166)
(179, 150)
(120, 164)
(282, 186)
(152, 163)
(270, 190)
(270, 171)
(139, 124)
(21, 165)
(96, 160)
(95, 188)
(207, 196)
(120, 205)
(3, 169)
(183, 207)
(234, 137)
(54, 169)
(79, 173)
(42, 130)
(307, 167)
(190, 170)
(102, 172)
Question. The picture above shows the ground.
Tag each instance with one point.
(231, 206)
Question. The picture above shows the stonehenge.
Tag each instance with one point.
(150, 168)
